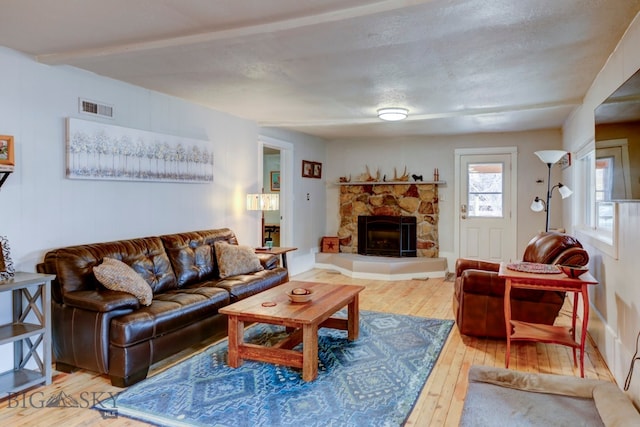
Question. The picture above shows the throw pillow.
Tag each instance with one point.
(118, 276)
(236, 259)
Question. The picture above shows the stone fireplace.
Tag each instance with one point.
(383, 199)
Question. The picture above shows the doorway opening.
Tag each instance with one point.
(276, 164)
(271, 180)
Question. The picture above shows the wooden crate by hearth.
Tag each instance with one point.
(330, 245)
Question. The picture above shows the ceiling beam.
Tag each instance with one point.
(56, 58)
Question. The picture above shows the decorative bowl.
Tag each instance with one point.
(300, 295)
(573, 271)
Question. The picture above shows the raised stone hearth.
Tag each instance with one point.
(382, 268)
(411, 199)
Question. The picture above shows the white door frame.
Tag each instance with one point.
(513, 152)
(286, 183)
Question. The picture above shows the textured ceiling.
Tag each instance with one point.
(324, 67)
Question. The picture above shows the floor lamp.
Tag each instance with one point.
(550, 157)
(263, 202)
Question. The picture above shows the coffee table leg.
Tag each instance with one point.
(309, 352)
(236, 338)
(353, 319)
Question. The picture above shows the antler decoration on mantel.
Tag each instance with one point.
(404, 177)
(367, 177)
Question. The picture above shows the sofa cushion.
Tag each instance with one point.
(118, 276)
(191, 257)
(170, 311)
(245, 285)
(73, 265)
(236, 259)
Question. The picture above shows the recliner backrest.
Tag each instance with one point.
(555, 248)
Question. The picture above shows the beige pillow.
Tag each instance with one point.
(236, 259)
(118, 276)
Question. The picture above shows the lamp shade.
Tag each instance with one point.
(263, 202)
(393, 114)
(550, 156)
(564, 191)
(537, 205)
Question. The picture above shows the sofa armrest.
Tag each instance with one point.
(481, 282)
(268, 261)
(463, 264)
(101, 300)
(572, 256)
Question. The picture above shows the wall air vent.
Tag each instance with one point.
(95, 109)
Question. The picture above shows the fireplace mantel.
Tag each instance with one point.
(391, 182)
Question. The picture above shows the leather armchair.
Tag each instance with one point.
(478, 299)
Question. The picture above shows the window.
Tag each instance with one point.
(586, 188)
(604, 181)
(485, 189)
(594, 213)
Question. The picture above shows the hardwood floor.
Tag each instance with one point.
(439, 404)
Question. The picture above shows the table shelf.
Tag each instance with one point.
(524, 331)
(20, 379)
(19, 331)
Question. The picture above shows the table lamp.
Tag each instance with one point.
(263, 202)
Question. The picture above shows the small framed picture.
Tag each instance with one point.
(6, 265)
(307, 169)
(275, 180)
(317, 170)
(6, 150)
(565, 161)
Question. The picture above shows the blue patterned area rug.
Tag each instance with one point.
(373, 381)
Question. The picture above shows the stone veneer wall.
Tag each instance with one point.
(419, 200)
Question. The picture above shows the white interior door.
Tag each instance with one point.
(486, 206)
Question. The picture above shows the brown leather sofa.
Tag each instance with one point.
(478, 299)
(110, 332)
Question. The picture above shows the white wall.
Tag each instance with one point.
(615, 316)
(309, 204)
(40, 209)
(422, 155)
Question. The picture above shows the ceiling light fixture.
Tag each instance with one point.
(393, 114)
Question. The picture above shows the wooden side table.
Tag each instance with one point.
(282, 252)
(524, 331)
(29, 329)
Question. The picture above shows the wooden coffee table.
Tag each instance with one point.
(302, 319)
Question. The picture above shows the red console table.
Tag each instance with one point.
(523, 331)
